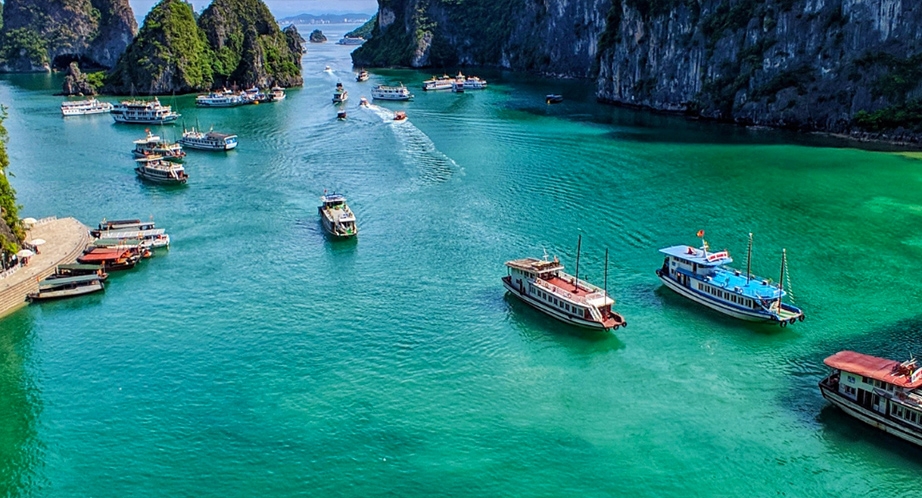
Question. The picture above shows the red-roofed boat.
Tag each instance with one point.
(880, 392)
(544, 285)
(111, 258)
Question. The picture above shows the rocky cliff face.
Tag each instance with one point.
(558, 37)
(76, 83)
(170, 55)
(39, 34)
(249, 47)
(833, 65)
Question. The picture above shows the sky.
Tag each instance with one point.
(282, 8)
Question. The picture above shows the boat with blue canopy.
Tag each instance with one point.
(55, 288)
(706, 278)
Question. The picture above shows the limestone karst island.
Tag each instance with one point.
(460, 248)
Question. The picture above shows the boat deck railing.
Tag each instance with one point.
(584, 298)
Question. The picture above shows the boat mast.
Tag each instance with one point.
(749, 260)
(579, 243)
(781, 281)
(606, 272)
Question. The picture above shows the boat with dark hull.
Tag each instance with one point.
(158, 170)
(885, 394)
(542, 284)
(112, 259)
(78, 270)
(58, 288)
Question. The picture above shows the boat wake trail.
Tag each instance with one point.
(418, 149)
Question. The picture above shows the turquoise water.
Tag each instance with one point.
(257, 357)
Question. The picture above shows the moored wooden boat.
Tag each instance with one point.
(336, 217)
(159, 170)
(56, 288)
(110, 258)
(77, 269)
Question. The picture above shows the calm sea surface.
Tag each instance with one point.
(257, 357)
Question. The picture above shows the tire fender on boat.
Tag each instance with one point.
(624, 324)
(784, 323)
(801, 317)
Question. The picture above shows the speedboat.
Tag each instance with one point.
(400, 116)
(363, 102)
(277, 94)
(362, 76)
(341, 115)
(340, 94)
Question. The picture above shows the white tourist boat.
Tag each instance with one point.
(154, 237)
(153, 145)
(885, 394)
(474, 83)
(443, 82)
(143, 112)
(223, 99)
(336, 217)
(351, 40)
(83, 107)
(159, 170)
(544, 285)
(59, 287)
(277, 94)
(384, 92)
(211, 140)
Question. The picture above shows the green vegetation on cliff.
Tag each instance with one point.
(365, 30)
(170, 54)
(11, 232)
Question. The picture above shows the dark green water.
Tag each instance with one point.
(259, 358)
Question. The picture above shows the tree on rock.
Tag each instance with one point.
(317, 36)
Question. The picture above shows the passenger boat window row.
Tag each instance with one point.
(729, 296)
(905, 413)
(558, 303)
(876, 383)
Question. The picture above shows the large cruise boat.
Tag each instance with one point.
(336, 217)
(384, 92)
(443, 82)
(82, 107)
(879, 392)
(159, 170)
(703, 277)
(223, 99)
(544, 285)
(208, 141)
(143, 112)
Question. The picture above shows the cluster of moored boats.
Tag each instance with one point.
(118, 245)
(160, 161)
(151, 111)
(230, 98)
(457, 84)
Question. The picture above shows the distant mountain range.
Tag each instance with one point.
(325, 19)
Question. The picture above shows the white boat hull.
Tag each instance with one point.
(716, 306)
(534, 303)
(870, 417)
(127, 120)
(58, 294)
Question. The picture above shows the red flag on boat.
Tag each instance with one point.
(700, 233)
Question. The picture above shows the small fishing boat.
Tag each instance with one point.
(384, 92)
(277, 94)
(341, 115)
(885, 394)
(336, 217)
(553, 99)
(77, 270)
(111, 259)
(116, 225)
(159, 170)
(208, 141)
(328, 69)
(56, 288)
(83, 107)
(340, 94)
(361, 76)
(143, 112)
(400, 116)
(363, 102)
(542, 284)
(152, 145)
(443, 82)
(705, 278)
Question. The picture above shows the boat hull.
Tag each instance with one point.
(219, 148)
(716, 306)
(126, 120)
(144, 175)
(331, 230)
(60, 294)
(572, 320)
(868, 416)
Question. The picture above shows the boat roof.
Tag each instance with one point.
(130, 234)
(535, 265)
(222, 136)
(60, 282)
(733, 280)
(333, 198)
(117, 242)
(905, 374)
(699, 256)
(150, 159)
(103, 254)
(78, 266)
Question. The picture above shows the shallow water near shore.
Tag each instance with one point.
(258, 357)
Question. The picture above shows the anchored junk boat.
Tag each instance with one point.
(384, 92)
(703, 277)
(886, 394)
(143, 112)
(152, 145)
(208, 141)
(159, 170)
(337, 219)
(545, 286)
